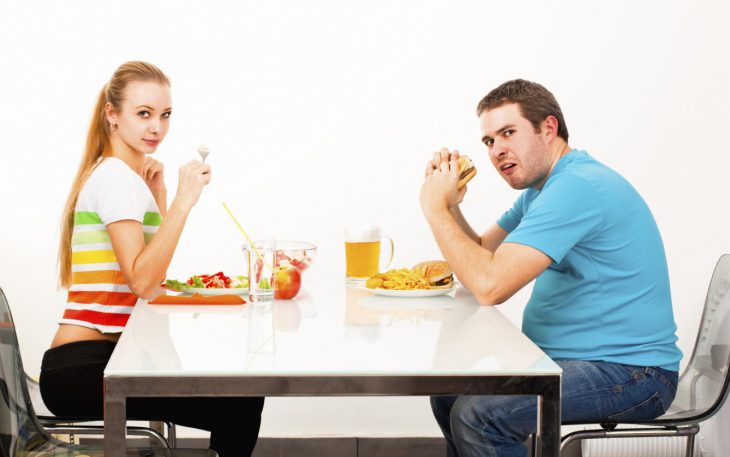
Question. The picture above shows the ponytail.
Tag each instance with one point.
(97, 143)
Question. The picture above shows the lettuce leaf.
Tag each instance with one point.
(197, 282)
(176, 285)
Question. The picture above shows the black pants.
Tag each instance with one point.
(72, 384)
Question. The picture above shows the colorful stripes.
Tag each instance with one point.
(90, 237)
(86, 218)
(102, 298)
(98, 256)
(150, 219)
(99, 296)
(98, 277)
(95, 317)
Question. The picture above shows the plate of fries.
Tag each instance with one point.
(415, 293)
(403, 282)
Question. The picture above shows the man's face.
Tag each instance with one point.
(520, 155)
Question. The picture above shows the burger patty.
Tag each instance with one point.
(443, 282)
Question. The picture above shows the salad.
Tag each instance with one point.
(300, 260)
(214, 281)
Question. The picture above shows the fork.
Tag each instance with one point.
(203, 151)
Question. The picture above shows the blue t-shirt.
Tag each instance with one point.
(606, 295)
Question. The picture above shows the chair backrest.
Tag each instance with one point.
(19, 430)
(703, 386)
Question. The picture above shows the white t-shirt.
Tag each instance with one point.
(99, 296)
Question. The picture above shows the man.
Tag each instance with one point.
(600, 306)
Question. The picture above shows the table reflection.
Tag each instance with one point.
(363, 332)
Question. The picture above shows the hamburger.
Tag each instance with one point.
(466, 171)
(437, 272)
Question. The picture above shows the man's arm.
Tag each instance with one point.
(492, 276)
(489, 240)
(493, 237)
(461, 220)
(492, 270)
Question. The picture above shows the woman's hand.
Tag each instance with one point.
(153, 173)
(192, 177)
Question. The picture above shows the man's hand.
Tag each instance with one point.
(439, 190)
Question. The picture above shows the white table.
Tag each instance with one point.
(331, 340)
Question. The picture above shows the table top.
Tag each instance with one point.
(329, 329)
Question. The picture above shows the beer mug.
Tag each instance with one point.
(362, 252)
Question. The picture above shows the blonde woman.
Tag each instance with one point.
(117, 240)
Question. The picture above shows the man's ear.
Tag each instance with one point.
(549, 128)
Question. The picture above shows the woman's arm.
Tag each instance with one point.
(145, 266)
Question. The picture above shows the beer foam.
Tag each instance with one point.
(362, 234)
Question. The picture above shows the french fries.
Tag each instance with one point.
(402, 279)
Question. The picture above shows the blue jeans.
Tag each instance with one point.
(497, 425)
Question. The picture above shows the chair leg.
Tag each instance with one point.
(690, 446)
(149, 433)
(71, 430)
(580, 436)
(171, 434)
(157, 426)
(533, 441)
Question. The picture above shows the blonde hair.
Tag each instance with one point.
(98, 145)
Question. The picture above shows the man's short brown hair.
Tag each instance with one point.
(536, 103)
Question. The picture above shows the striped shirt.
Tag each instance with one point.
(99, 296)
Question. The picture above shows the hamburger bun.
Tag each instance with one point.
(466, 171)
(437, 272)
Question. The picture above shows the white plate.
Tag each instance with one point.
(216, 291)
(373, 301)
(416, 293)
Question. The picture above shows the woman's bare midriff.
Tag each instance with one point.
(71, 333)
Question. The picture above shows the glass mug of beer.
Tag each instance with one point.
(362, 252)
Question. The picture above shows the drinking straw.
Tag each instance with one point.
(250, 241)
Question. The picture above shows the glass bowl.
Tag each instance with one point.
(300, 254)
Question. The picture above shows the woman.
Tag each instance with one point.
(117, 240)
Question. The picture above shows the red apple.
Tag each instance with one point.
(287, 282)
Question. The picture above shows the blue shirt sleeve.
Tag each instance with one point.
(511, 218)
(564, 213)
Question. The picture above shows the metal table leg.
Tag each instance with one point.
(548, 421)
(115, 422)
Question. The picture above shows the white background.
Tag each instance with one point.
(320, 114)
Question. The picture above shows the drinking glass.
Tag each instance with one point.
(362, 252)
(260, 261)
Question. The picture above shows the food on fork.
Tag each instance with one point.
(432, 274)
(214, 281)
(467, 171)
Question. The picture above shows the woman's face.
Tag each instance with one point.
(144, 117)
